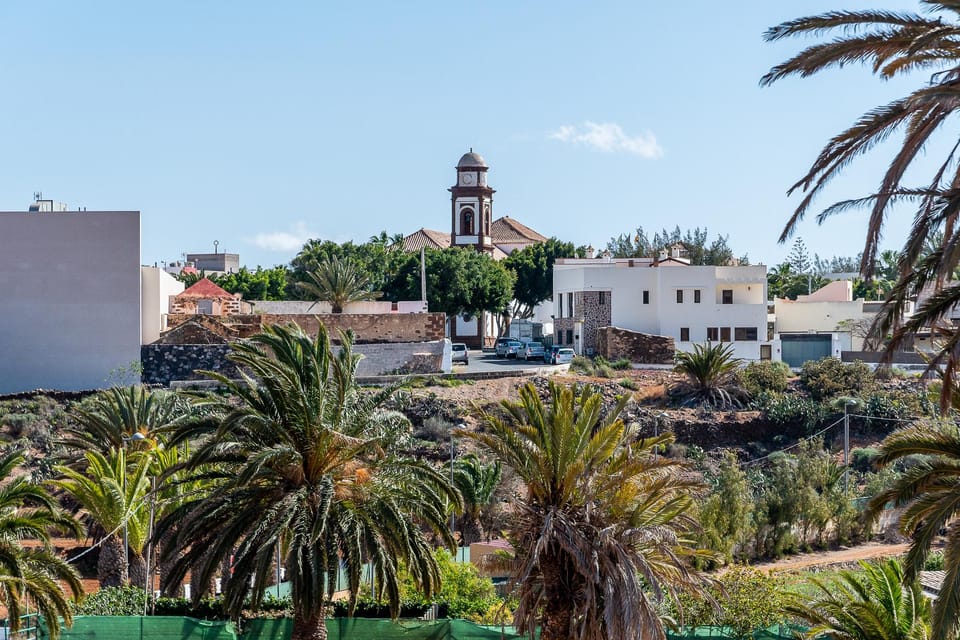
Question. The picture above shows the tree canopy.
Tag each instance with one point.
(695, 241)
(533, 269)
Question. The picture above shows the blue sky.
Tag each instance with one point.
(262, 124)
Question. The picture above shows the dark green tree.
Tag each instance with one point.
(694, 241)
(533, 269)
(260, 284)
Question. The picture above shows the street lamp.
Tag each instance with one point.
(136, 437)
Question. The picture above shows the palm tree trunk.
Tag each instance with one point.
(138, 570)
(309, 627)
(110, 566)
(166, 565)
(558, 599)
(471, 530)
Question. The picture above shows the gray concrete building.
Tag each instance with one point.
(69, 298)
(212, 263)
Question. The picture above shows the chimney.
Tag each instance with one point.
(591, 252)
(663, 254)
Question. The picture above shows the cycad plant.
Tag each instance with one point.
(301, 466)
(929, 491)
(34, 574)
(338, 282)
(710, 376)
(601, 529)
(893, 44)
(875, 603)
(477, 483)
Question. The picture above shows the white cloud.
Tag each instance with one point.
(291, 240)
(609, 137)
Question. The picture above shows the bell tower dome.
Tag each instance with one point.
(472, 204)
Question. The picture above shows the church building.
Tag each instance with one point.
(472, 226)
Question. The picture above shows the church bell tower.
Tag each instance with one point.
(472, 204)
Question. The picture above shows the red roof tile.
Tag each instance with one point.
(506, 230)
(206, 289)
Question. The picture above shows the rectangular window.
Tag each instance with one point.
(646, 297)
(603, 298)
(570, 305)
(724, 334)
(684, 334)
(569, 336)
(560, 337)
(745, 333)
(560, 306)
(679, 296)
(727, 296)
(696, 296)
(713, 334)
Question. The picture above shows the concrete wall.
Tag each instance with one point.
(69, 298)
(626, 280)
(163, 364)
(156, 287)
(294, 307)
(824, 317)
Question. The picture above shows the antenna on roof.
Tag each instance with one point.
(216, 243)
(37, 196)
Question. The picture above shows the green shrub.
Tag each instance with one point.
(861, 459)
(767, 375)
(603, 371)
(828, 377)
(890, 405)
(582, 365)
(622, 364)
(791, 409)
(113, 601)
(627, 383)
(934, 562)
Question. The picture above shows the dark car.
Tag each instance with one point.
(550, 355)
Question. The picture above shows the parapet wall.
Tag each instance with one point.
(614, 343)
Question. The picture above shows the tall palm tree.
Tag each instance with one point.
(710, 376)
(601, 532)
(893, 44)
(930, 492)
(338, 282)
(113, 493)
(477, 483)
(876, 603)
(302, 468)
(36, 574)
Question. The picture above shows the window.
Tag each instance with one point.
(603, 298)
(684, 334)
(745, 333)
(560, 337)
(569, 336)
(696, 296)
(724, 334)
(466, 222)
(726, 296)
(646, 297)
(570, 304)
(713, 334)
(679, 296)
(560, 306)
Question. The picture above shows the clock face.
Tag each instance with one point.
(466, 178)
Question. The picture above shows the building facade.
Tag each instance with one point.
(667, 297)
(69, 298)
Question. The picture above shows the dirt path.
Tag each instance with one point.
(868, 551)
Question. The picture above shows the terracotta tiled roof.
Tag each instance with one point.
(206, 289)
(506, 230)
(426, 238)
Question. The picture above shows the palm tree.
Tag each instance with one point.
(876, 603)
(930, 492)
(113, 495)
(339, 282)
(710, 373)
(36, 574)
(477, 483)
(117, 414)
(601, 532)
(893, 44)
(302, 467)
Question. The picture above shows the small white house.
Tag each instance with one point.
(666, 296)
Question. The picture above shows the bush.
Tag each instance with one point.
(898, 404)
(113, 601)
(934, 562)
(828, 378)
(582, 365)
(862, 459)
(786, 409)
(627, 383)
(767, 375)
(622, 364)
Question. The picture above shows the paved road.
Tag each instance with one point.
(487, 361)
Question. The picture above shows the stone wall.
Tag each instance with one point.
(614, 343)
(165, 363)
(369, 328)
(593, 308)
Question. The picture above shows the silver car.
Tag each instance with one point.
(460, 353)
(514, 348)
(533, 350)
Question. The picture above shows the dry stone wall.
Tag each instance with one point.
(614, 343)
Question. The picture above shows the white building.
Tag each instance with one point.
(156, 287)
(666, 296)
(69, 297)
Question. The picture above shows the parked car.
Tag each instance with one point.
(550, 355)
(533, 350)
(501, 346)
(565, 356)
(514, 349)
(460, 353)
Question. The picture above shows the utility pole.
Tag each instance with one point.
(453, 514)
(423, 275)
(847, 403)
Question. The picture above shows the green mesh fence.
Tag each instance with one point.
(176, 628)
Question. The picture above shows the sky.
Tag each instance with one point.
(259, 125)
